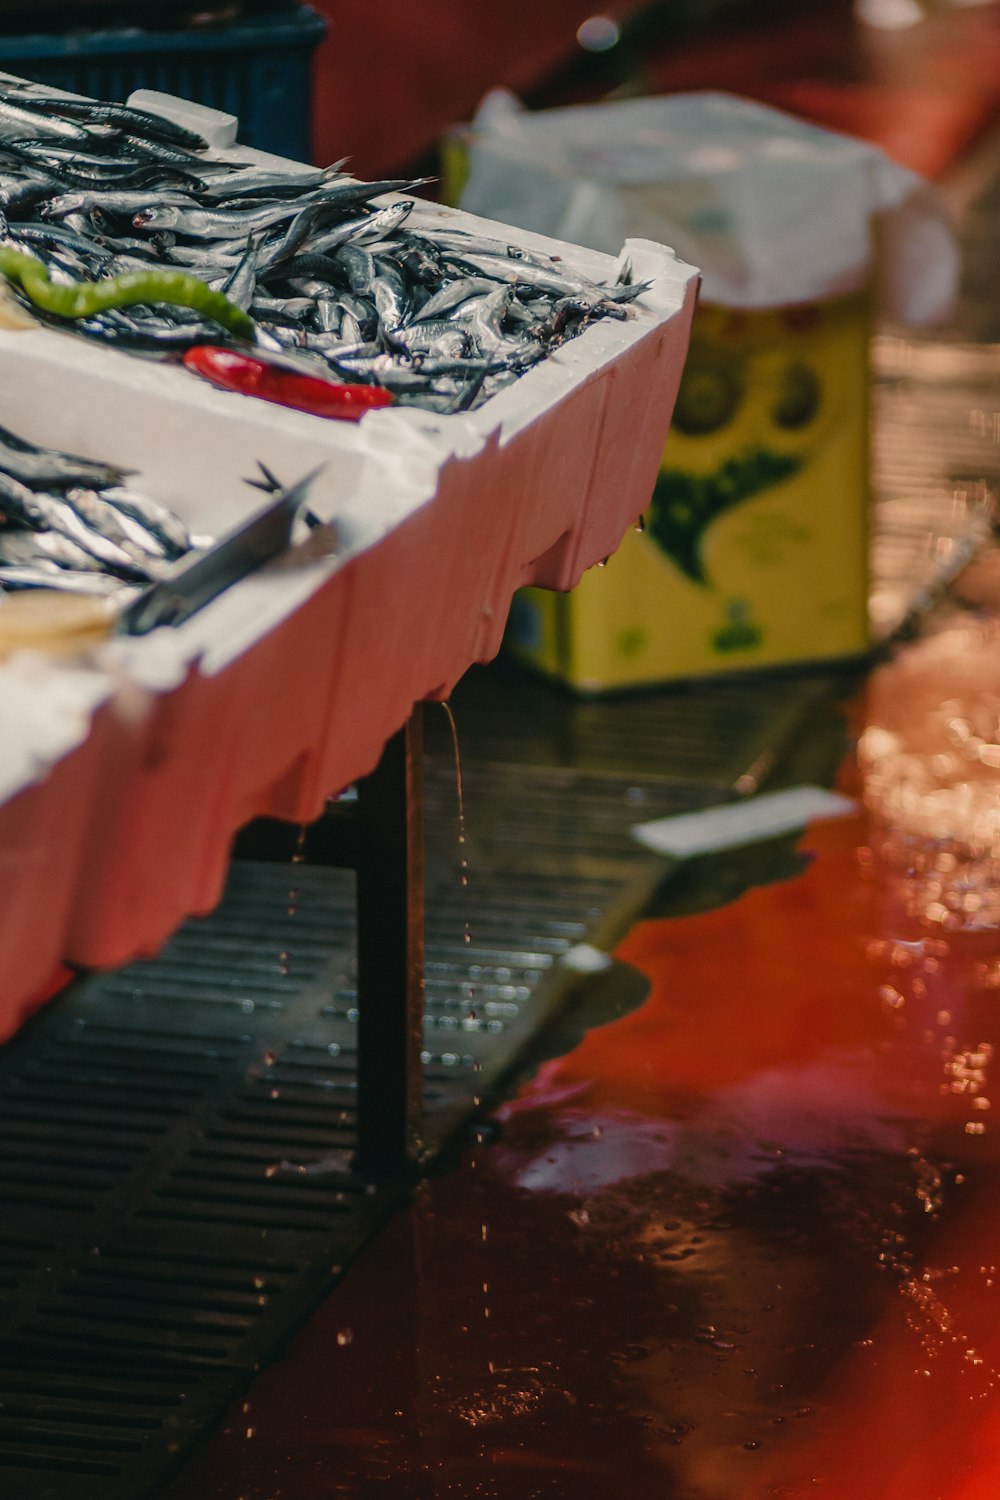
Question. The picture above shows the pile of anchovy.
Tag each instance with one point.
(69, 523)
(335, 283)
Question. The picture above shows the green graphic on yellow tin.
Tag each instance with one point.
(755, 402)
(755, 547)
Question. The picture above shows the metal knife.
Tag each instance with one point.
(196, 579)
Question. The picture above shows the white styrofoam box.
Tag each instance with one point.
(119, 802)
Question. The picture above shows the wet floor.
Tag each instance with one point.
(741, 1242)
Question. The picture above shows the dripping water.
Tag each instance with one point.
(298, 858)
(294, 894)
(463, 861)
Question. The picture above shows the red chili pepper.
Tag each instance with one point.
(233, 371)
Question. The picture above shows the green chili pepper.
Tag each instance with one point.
(84, 298)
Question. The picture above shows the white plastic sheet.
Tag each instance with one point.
(773, 210)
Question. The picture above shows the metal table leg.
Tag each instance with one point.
(390, 927)
(380, 836)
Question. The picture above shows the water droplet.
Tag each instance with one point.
(598, 34)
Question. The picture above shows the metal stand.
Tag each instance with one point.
(389, 860)
(380, 836)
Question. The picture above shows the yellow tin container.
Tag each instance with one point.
(755, 546)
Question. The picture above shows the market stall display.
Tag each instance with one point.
(126, 775)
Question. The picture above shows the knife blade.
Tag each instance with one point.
(195, 580)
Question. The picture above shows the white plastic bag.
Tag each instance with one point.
(773, 211)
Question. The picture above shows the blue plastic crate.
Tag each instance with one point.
(258, 69)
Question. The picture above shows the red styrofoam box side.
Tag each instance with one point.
(44, 846)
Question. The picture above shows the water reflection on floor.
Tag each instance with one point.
(743, 1242)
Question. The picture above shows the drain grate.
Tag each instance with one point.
(179, 1134)
(81, 1430)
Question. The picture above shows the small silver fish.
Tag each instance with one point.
(440, 339)
(365, 230)
(18, 576)
(208, 223)
(240, 284)
(123, 202)
(447, 298)
(37, 466)
(163, 523)
(522, 273)
(62, 519)
(44, 549)
(360, 267)
(102, 515)
(16, 121)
